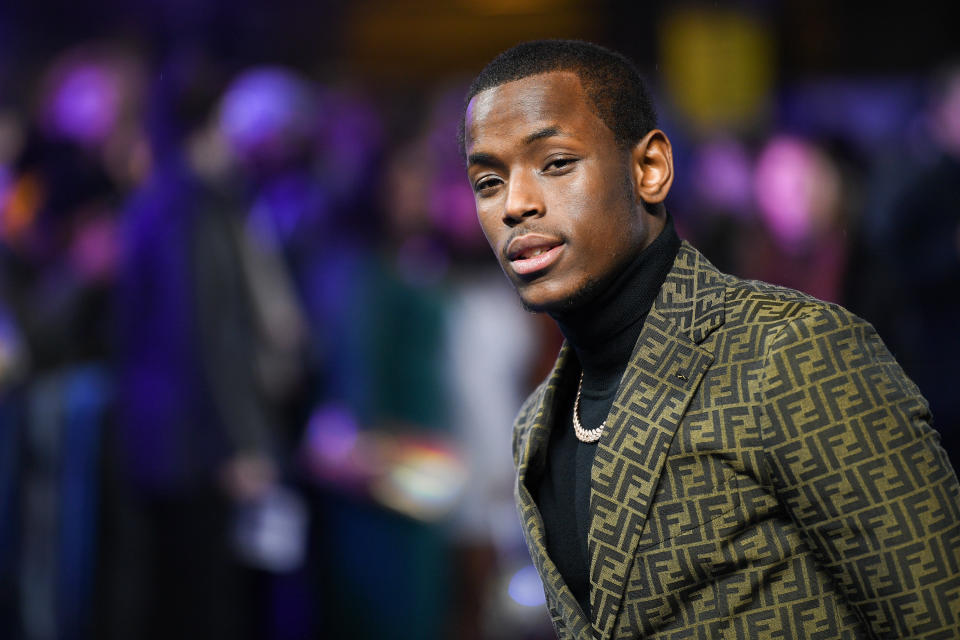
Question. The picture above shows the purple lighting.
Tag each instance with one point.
(267, 113)
(332, 435)
(723, 176)
(6, 180)
(525, 587)
(797, 189)
(947, 128)
(84, 103)
(453, 210)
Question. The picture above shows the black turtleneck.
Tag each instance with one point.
(602, 333)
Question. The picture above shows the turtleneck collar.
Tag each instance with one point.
(604, 331)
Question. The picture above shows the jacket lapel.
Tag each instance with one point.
(657, 386)
(531, 459)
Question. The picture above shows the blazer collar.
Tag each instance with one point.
(692, 296)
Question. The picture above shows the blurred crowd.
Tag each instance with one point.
(243, 334)
(258, 369)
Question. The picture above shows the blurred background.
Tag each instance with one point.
(257, 366)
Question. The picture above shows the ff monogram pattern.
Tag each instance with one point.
(768, 471)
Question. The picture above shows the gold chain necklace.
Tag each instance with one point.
(584, 435)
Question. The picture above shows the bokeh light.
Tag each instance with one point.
(526, 588)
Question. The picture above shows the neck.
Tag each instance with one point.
(604, 330)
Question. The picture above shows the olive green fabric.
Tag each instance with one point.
(768, 471)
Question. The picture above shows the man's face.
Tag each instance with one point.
(554, 193)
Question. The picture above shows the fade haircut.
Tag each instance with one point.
(614, 87)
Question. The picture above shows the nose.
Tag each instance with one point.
(524, 199)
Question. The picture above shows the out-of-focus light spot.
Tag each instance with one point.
(797, 190)
(19, 207)
(91, 93)
(267, 113)
(724, 177)
(947, 116)
(525, 587)
(331, 435)
(419, 476)
(271, 533)
(717, 64)
(423, 480)
(85, 104)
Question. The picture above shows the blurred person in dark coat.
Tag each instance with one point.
(923, 245)
(198, 420)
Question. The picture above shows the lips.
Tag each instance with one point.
(531, 253)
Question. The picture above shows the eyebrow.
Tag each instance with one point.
(487, 159)
(546, 132)
(491, 160)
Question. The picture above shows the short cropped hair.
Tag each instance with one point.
(612, 83)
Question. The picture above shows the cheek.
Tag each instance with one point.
(607, 221)
(487, 222)
(576, 201)
(595, 209)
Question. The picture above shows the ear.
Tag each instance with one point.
(652, 164)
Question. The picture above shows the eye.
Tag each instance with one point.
(485, 185)
(559, 166)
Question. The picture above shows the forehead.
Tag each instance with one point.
(522, 107)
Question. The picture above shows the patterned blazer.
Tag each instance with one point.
(768, 471)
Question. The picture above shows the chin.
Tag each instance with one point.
(537, 302)
(536, 306)
(559, 302)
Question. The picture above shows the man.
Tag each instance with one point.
(710, 457)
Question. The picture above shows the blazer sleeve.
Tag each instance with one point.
(855, 462)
